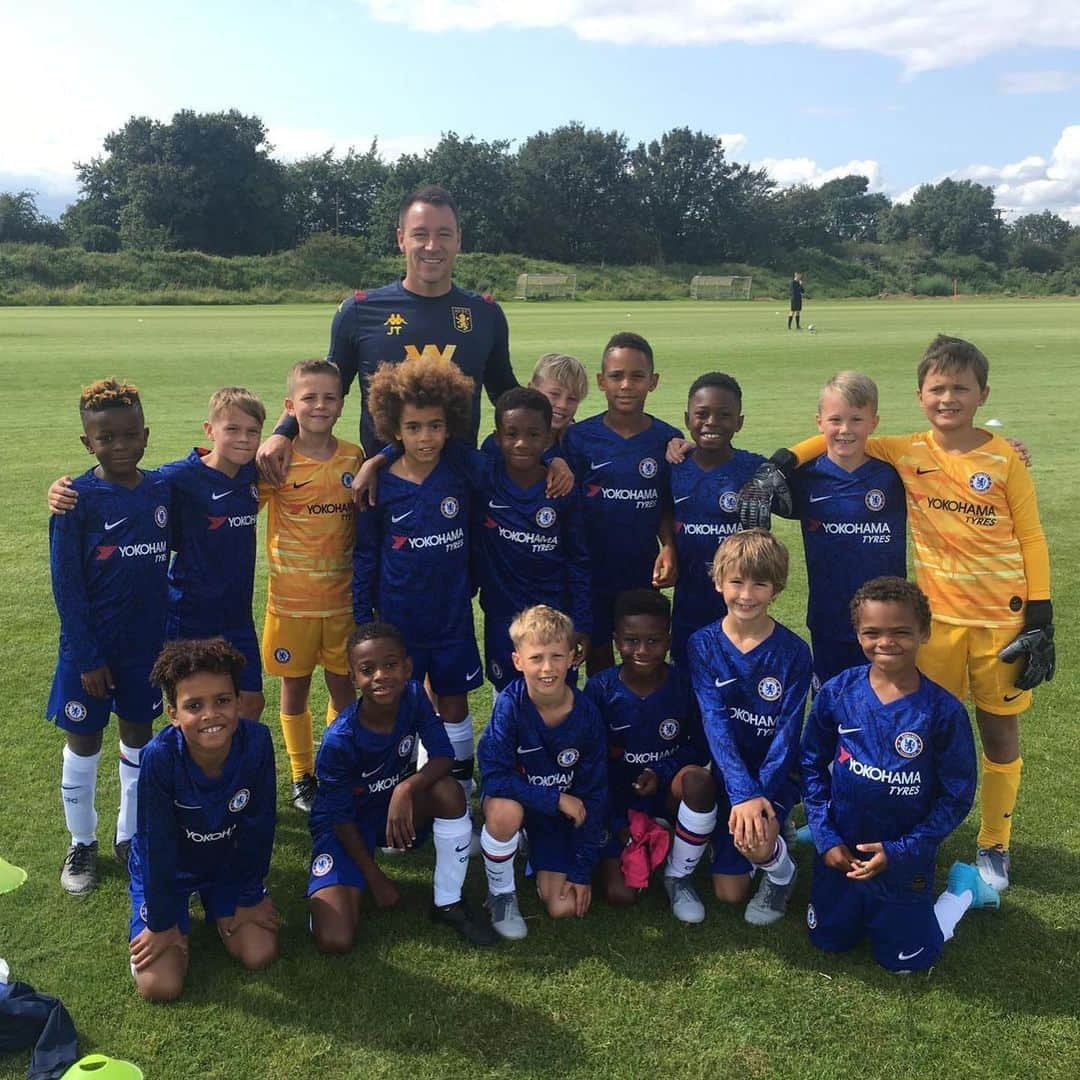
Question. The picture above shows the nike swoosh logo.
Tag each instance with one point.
(499, 506)
(683, 498)
(157, 705)
(620, 727)
(528, 749)
(1013, 697)
(923, 472)
(847, 730)
(395, 518)
(110, 525)
(186, 806)
(215, 495)
(910, 955)
(726, 682)
(464, 847)
(472, 674)
(303, 483)
(600, 465)
(819, 498)
(365, 775)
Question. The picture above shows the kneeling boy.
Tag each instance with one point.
(656, 751)
(542, 760)
(889, 771)
(206, 821)
(369, 797)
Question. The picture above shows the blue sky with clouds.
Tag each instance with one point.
(904, 91)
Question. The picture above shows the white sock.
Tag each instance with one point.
(127, 819)
(461, 739)
(693, 831)
(452, 839)
(78, 784)
(949, 909)
(781, 867)
(499, 862)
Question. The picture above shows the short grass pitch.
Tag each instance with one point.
(617, 994)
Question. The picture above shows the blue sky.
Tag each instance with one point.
(903, 91)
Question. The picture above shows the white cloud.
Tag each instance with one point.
(732, 142)
(1039, 82)
(788, 172)
(1034, 183)
(923, 37)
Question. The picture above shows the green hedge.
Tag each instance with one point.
(325, 268)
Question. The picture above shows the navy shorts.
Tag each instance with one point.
(832, 656)
(497, 651)
(242, 638)
(904, 932)
(680, 637)
(551, 843)
(133, 699)
(603, 618)
(332, 865)
(219, 900)
(453, 667)
(726, 857)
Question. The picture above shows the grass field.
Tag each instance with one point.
(618, 994)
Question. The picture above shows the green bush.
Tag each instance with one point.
(933, 285)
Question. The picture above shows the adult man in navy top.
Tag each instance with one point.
(423, 313)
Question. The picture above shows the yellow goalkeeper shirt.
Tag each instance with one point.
(310, 532)
(979, 549)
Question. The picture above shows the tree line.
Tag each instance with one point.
(209, 182)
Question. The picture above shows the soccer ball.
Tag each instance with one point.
(811, 328)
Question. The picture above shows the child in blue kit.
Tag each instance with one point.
(371, 796)
(618, 457)
(889, 771)
(109, 560)
(207, 805)
(529, 546)
(751, 677)
(542, 760)
(704, 491)
(656, 751)
(854, 520)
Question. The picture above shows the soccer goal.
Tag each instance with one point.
(707, 287)
(546, 286)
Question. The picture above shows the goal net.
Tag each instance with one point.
(708, 287)
(546, 286)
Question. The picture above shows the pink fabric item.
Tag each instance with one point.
(646, 849)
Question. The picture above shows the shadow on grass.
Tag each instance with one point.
(409, 988)
(1011, 960)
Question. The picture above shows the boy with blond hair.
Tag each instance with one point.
(563, 380)
(544, 768)
(309, 543)
(854, 521)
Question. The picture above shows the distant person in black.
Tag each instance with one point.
(796, 301)
(422, 314)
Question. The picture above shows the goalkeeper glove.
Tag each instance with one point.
(767, 490)
(1035, 644)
